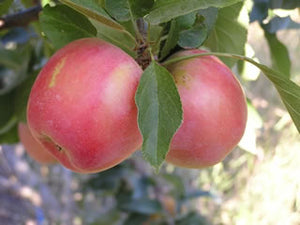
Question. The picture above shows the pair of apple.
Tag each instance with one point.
(82, 111)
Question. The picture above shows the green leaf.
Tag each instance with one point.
(4, 6)
(228, 35)
(140, 8)
(119, 9)
(143, 206)
(193, 38)
(159, 112)
(279, 55)
(107, 28)
(13, 67)
(10, 137)
(129, 26)
(10, 58)
(186, 21)
(165, 10)
(287, 89)
(177, 25)
(155, 32)
(210, 17)
(62, 25)
(7, 119)
(119, 38)
(28, 3)
(101, 3)
(128, 11)
(93, 9)
(171, 41)
(21, 97)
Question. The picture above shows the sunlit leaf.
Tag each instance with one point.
(228, 35)
(279, 55)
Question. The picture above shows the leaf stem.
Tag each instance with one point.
(181, 58)
(151, 54)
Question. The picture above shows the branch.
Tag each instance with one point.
(20, 19)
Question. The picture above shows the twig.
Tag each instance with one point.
(20, 19)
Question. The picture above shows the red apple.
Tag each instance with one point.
(34, 149)
(81, 106)
(214, 111)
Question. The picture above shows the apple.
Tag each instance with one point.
(214, 111)
(82, 108)
(34, 149)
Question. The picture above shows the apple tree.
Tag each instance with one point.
(155, 39)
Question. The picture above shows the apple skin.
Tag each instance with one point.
(82, 108)
(34, 149)
(214, 111)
